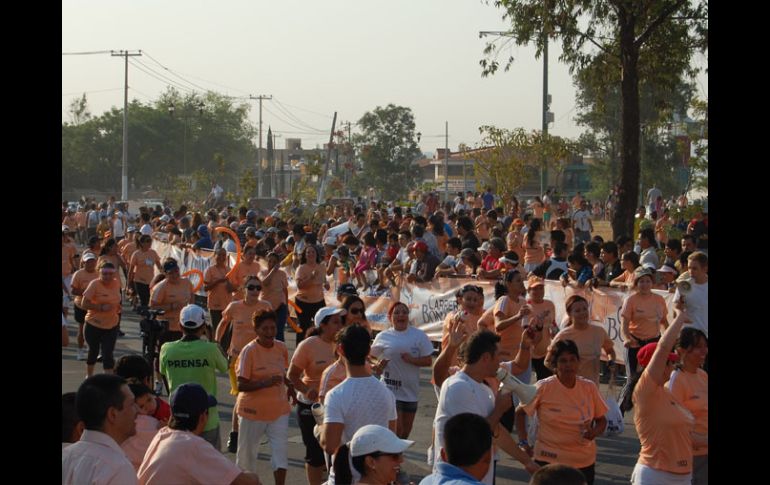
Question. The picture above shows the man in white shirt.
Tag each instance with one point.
(582, 222)
(359, 400)
(648, 246)
(106, 406)
(466, 392)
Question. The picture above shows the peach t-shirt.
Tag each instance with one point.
(136, 446)
(218, 297)
(145, 262)
(241, 272)
(561, 412)
(258, 362)
(274, 289)
(692, 392)
(313, 355)
(515, 243)
(510, 338)
(534, 253)
(240, 316)
(471, 322)
(183, 457)
(315, 292)
(80, 280)
(179, 294)
(644, 313)
(543, 313)
(590, 342)
(487, 320)
(663, 427)
(99, 294)
(67, 252)
(126, 251)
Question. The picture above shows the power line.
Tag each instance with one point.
(200, 79)
(173, 84)
(88, 53)
(89, 92)
(288, 122)
(290, 115)
(168, 79)
(175, 74)
(309, 111)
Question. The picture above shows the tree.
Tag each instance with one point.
(698, 163)
(634, 36)
(388, 150)
(79, 112)
(506, 154)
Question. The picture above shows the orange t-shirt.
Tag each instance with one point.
(510, 338)
(98, 293)
(471, 325)
(331, 376)
(258, 362)
(68, 251)
(243, 270)
(126, 250)
(144, 265)
(487, 320)
(534, 253)
(644, 314)
(80, 281)
(663, 427)
(274, 289)
(218, 297)
(590, 342)
(561, 414)
(315, 291)
(179, 294)
(80, 218)
(239, 314)
(692, 392)
(515, 243)
(313, 355)
(543, 313)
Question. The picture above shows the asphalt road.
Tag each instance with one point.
(616, 455)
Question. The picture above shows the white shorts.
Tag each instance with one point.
(644, 475)
(249, 436)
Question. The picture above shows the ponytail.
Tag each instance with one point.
(342, 472)
(500, 289)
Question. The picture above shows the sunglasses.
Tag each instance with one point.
(253, 287)
(108, 271)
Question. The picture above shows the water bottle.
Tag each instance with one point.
(318, 412)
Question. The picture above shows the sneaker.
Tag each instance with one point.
(82, 354)
(99, 357)
(121, 333)
(232, 442)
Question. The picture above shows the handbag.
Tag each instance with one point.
(614, 416)
(224, 342)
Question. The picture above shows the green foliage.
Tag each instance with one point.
(509, 152)
(216, 140)
(389, 148)
(247, 186)
(645, 40)
(699, 162)
(79, 110)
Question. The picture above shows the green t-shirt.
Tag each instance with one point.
(196, 361)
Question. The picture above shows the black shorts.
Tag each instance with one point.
(314, 454)
(80, 315)
(406, 407)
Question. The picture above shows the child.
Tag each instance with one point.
(367, 260)
(146, 425)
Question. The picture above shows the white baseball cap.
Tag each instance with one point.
(192, 316)
(373, 438)
(88, 256)
(327, 311)
(146, 230)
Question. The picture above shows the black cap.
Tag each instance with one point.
(347, 289)
(191, 400)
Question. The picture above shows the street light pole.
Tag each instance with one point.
(124, 174)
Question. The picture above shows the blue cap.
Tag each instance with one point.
(191, 400)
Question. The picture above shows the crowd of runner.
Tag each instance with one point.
(355, 391)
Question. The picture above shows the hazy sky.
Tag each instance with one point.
(317, 57)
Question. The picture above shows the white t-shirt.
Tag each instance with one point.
(118, 229)
(581, 218)
(461, 394)
(356, 402)
(402, 378)
(649, 256)
(402, 256)
(451, 261)
(697, 305)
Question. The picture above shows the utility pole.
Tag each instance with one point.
(259, 151)
(446, 161)
(322, 188)
(350, 157)
(546, 103)
(124, 178)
